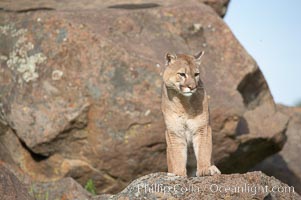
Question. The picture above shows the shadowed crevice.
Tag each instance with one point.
(277, 166)
(249, 150)
(253, 88)
(135, 6)
(35, 156)
(27, 10)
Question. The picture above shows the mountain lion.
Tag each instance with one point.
(186, 114)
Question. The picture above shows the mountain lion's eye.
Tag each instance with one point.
(182, 74)
(196, 74)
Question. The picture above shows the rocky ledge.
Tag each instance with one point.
(252, 185)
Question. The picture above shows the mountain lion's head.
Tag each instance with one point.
(182, 73)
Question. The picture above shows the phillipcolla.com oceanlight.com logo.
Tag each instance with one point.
(213, 188)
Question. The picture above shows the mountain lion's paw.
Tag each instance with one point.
(208, 171)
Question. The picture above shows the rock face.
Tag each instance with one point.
(286, 165)
(252, 185)
(65, 189)
(15, 185)
(80, 91)
(11, 188)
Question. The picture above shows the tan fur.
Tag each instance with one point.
(186, 114)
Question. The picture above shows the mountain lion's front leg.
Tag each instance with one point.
(202, 145)
(176, 154)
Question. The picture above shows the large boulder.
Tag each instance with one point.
(252, 185)
(80, 91)
(219, 6)
(286, 165)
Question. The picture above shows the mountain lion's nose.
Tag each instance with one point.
(191, 86)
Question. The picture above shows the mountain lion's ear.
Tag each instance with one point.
(198, 57)
(170, 58)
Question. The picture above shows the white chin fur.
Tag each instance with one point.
(186, 89)
(187, 94)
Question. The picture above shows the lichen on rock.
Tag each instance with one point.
(57, 75)
(19, 59)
